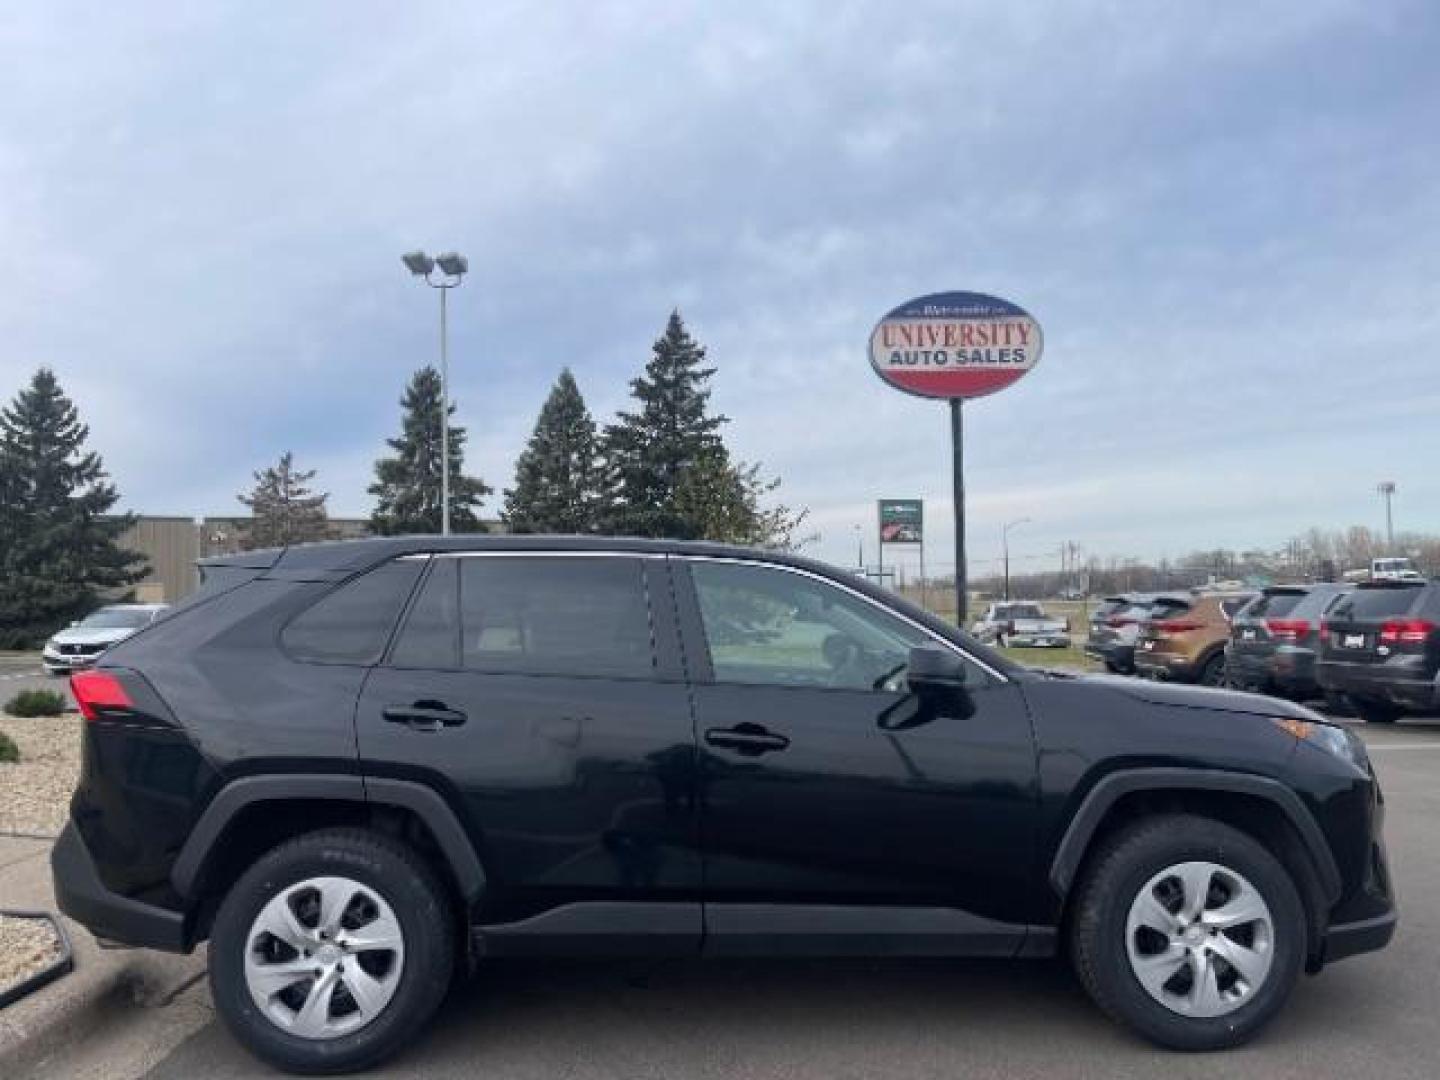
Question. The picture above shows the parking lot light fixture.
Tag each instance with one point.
(454, 266)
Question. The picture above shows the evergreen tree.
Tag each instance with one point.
(648, 452)
(723, 502)
(283, 510)
(59, 556)
(407, 486)
(557, 478)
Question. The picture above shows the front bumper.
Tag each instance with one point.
(56, 662)
(1380, 682)
(83, 896)
(1039, 641)
(1367, 935)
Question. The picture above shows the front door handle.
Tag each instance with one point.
(424, 715)
(747, 738)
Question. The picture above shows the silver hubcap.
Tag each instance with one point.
(323, 958)
(1200, 939)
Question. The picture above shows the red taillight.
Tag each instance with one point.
(1288, 629)
(1324, 631)
(1176, 626)
(95, 690)
(1406, 631)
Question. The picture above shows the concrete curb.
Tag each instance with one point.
(54, 1017)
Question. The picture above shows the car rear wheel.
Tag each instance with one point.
(1189, 932)
(1376, 712)
(331, 952)
(1212, 672)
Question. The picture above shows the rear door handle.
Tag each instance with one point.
(749, 739)
(424, 715)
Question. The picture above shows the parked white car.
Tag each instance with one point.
(1022, 623)
(78, 645)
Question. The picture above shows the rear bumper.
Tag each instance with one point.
(1161, 665)
(1250, 670)
(1379, 682)
(83, 896)
(1112, 653)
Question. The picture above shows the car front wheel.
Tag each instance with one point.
(331, 952)
(1188, 931)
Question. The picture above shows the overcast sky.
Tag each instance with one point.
(1225, 216)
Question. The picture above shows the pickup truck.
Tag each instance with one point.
(1022, 623)
(1389, 569)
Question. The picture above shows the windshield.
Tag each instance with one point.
(114, 619)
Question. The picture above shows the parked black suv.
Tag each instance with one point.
(1274, 639)
(1382, 649)
(355, 767)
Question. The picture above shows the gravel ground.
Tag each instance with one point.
(35, 792)
(26, 946)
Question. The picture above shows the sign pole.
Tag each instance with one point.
(957, 450)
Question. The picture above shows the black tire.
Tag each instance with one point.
(1114, 668)
(1212, 672)
(1377, 712)
(1337, 704)
(1115, 877)
(421, 906)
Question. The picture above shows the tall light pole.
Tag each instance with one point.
(453, 268)
(1387, 491)
(1005, 547)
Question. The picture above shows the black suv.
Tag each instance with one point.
(356, 768)
(1381, 649)
(1274, 639)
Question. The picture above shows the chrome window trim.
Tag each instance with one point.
(569, 553)
(857, 594)
(545, 553)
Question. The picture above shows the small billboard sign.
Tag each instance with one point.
(902, 521)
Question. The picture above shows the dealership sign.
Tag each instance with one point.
(955, 345)
(902, 521)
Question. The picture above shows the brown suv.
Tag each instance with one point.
(1186, 642)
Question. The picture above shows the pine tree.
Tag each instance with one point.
(557, 478)
(59, 556)
(407, 486)
(723, 502)
(283, 510)
(648, 452)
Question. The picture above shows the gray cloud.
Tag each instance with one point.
(1225, 218)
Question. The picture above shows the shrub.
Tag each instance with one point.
(36, 703)
(8, 750)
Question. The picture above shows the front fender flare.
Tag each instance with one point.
(1108, 790)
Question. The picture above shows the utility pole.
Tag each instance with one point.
(1005, 548)
(1387, 491)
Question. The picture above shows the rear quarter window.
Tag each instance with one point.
(352, 624)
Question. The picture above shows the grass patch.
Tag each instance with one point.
(1069, 657)
(9, 752)
(36, 703)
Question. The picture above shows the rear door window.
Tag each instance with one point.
(352, 624)
(535, 616)
(1273, 605)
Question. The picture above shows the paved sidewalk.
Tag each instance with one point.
(55, 1017)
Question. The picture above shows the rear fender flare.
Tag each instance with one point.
(426, 803)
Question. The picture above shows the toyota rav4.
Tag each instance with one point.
(356, 769)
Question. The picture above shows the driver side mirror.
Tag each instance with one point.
(931, 668)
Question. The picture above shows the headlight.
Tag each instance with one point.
(1334, 740)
